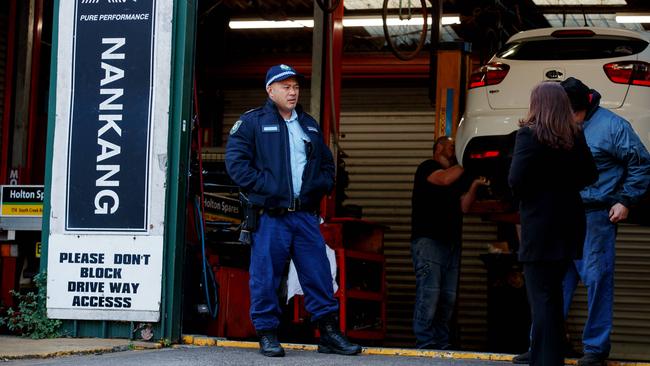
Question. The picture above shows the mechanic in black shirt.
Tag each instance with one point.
(440, 196)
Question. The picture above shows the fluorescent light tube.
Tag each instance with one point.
(347, 22)
(632, 18)
(269, 24)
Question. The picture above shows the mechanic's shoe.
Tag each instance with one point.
(569, 352)
(591, 359)
(522, 359)
(269, 344)
(331, 339)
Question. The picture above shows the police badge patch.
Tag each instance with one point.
(235, 127)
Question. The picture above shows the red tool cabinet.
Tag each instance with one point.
(233, 319)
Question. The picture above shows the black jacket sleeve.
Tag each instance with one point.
(240, 155)
(524, 153)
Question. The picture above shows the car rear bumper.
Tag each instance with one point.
(495, 124)
(484, 146)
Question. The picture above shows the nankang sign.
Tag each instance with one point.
(108, 155)
(107, 198)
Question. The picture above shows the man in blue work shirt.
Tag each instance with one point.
(623, 177)
(277, 155)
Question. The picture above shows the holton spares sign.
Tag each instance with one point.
(21, 201)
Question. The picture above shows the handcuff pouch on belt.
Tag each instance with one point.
(251, 215)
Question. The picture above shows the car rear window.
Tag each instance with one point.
(549, 48)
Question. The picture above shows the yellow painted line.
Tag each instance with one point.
(143, 348)
(236, 344)
(459, 355)
(381, 351)
(204, 341)
(300, 347)
(255, 345)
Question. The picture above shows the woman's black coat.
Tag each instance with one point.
(548, 182)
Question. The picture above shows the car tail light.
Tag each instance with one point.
(629, 72)
(490, 74)
(485, 154)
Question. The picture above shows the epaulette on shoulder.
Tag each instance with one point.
(252, 110)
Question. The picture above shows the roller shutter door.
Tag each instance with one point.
(238, 101)
(471, 317)
(386, 133)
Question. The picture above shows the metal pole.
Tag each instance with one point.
(33, 92)
(436, 26)
(332, 92)
(318, 44)
(8, 93)
(183, 46)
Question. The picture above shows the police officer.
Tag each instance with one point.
(277, 155)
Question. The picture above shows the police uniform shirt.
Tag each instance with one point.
(297, 153)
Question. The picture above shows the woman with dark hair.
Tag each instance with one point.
(551, 164)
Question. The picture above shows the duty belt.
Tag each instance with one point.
(295, 205)
(279, 211)
(596, 206)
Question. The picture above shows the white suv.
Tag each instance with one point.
(615, 62)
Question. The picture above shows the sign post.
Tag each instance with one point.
(109, 160)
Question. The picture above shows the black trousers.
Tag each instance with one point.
(544, 288)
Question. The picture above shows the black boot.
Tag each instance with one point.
(523, 359)
(592, 359)
(331, 339)
(269, 344)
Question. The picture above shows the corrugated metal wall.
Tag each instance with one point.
(386, 132)
(471, 315)
(386, 136)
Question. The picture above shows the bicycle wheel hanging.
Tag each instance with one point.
(400, 37)
(322, 4)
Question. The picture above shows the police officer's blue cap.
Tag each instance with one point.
(279, 73)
